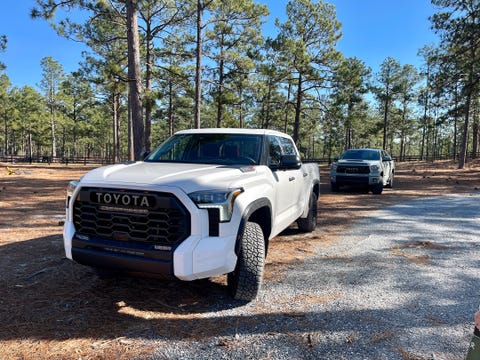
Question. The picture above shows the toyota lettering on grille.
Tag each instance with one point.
(123, 199)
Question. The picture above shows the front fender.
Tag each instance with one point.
(259, 211)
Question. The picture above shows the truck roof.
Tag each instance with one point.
(232, 131)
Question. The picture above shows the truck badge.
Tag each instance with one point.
(122, 199)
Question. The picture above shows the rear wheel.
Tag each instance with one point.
(390, 181)
(309, 223)
(245, 281)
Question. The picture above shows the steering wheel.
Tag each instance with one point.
(248, 159)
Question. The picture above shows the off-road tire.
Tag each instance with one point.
(390, 181)
(105, 273)
(245, 281)
(309, 223)
(377, 189)
(334, 187)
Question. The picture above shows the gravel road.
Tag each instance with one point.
(401, 284)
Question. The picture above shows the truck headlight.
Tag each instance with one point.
(217, 199)
(374, 168)
(334, 167)
(72, 185)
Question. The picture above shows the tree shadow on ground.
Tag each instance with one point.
(46, 295)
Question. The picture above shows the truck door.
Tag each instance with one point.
(387, 167)
(289, 182)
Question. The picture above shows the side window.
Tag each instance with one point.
(274, 151)
(287, 146)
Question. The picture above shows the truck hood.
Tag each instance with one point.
(188, 177)
(358, 162)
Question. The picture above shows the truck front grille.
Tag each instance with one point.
(353, 169)
(131, 216)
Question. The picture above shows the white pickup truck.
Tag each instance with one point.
(372, 169)
(205, 203)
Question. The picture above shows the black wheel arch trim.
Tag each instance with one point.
(316, 188)
(249, 211)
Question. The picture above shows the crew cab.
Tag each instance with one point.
(205, 203)
(372, 169)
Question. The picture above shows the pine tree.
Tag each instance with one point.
(458, 24)
(308, 39)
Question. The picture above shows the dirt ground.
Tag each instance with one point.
(52, 308)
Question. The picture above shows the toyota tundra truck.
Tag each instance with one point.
(205, 203)
(372, 169)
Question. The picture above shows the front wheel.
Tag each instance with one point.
(334, 186)
(309, 223)
(377, 189)
(245, 281)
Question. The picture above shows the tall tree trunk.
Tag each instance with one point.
(170, 106)
(269, 99)
(30, 145)
(240, 115)
(469, 87)
(455, 126)
(75, 131)
(134, 79)
(474, 138)
(5, 129)
(221, 77)
(198, 66)
(348, 127)
(52, 133)
(298, 109)
(131, 152)
(149, 102)
(475, 130)
(385, 119)
(285, 126)
(116, 130)
(424, 128)
(462, 158)
(64, 141)
(148, 98)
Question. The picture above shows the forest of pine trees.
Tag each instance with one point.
(154, 67)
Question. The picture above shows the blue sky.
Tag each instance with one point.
(372, 31)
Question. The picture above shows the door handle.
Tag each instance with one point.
(291, 178)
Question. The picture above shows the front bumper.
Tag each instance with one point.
(129, 258)
(355, 179)
(195, 258)
(201, 254)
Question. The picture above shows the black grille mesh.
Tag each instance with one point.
(167, 222)
(353, 169)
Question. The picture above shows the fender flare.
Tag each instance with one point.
(249, 210)
(314, 189)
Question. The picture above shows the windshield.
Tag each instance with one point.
(222, 149)
(362, 154)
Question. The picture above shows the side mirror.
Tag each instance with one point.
(144, 155)
(290, 162)
(335, 158)
(387, 158)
